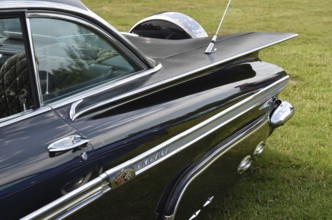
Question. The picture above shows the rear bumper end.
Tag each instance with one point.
(281, 114)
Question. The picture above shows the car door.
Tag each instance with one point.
(41, 156)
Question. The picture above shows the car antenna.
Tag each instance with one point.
(211, 49)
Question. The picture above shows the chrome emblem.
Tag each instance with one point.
(123, 177)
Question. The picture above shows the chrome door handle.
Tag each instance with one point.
(67, 143)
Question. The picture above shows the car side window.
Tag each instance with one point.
(15, 89)
(72, 58)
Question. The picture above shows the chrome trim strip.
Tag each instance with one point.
(220, 152)
(103, 88)
(72, 110)
(90, 191)
(22, 116)
(156, 155)
(33, 57)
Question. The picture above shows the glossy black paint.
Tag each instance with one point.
(29, 171)
(190, 88)
(148, 190)
(210, 181)
(158, 117)
(175, 108)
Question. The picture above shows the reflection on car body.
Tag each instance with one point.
(87, 111)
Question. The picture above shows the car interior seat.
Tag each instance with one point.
(15, 89)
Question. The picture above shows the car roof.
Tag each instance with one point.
(75, 3)
(8, 4)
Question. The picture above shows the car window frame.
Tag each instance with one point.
(36, 110)
(92, 25)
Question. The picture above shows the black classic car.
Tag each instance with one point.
(154, 117)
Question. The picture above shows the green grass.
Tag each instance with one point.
(293, 178)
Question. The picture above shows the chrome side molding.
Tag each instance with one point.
(282, 113)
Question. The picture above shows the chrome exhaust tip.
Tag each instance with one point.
(282, 113)
(244, 164)
(259, 149)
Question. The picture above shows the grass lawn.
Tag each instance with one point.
(293, 178)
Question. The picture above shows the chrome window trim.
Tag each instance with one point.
(48, 6)
(116, 84)
(78, 198)
(22, 116)
(103, 87)
(84, 22)
(30, 112)
(133, 76)
(33, 57)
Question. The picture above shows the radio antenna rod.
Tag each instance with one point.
(211, 49)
